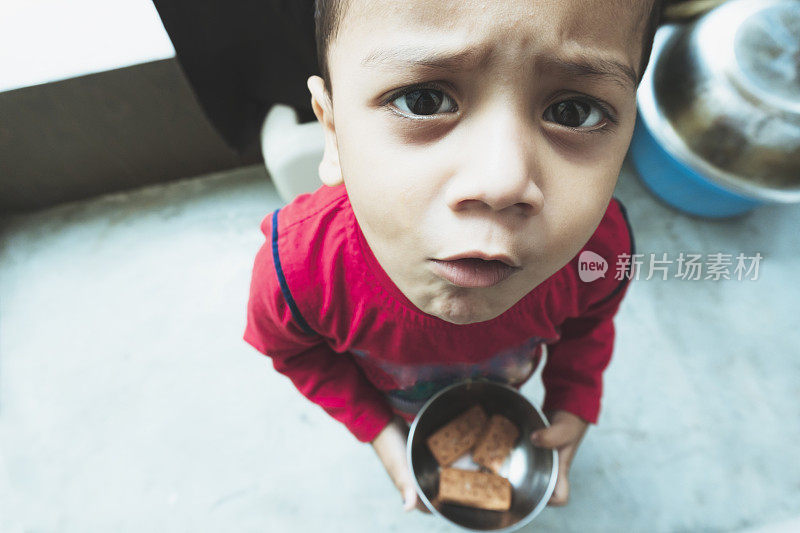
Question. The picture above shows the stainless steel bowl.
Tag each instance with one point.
(723, 96)
(532, 471)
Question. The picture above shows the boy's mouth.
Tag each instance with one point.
(473, 272)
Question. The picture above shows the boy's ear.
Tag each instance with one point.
(329, 170)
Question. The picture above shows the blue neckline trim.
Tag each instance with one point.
(287, 295)
(629, 270)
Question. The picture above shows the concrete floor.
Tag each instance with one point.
(129, 402)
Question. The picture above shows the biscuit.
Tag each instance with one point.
(458, 436)
(482, 490)
(495, 443)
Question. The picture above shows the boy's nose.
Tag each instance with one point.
(499, 166)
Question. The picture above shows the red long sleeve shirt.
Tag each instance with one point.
(326, 313)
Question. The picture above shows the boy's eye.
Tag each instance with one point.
(574, 114)
(424, 102)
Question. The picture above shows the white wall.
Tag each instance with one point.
(49, 40)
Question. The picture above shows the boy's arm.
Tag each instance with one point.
(573, 384)
(331, 380)
(335, 383)
(573, 374)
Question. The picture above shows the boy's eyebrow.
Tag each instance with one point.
(596, 67)
(583, 65)
(462, 59)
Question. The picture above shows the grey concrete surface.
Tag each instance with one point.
(129, 402)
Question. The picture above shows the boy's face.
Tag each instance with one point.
(510, 148)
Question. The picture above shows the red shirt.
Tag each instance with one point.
(335, 324)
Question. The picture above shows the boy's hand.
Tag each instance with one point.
(390, 445)
(564, 434)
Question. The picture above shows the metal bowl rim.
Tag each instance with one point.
(551, 485)
(775, 102)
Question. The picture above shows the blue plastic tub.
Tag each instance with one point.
(674, 172)
(679, 185)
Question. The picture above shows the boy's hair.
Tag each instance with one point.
(328, 15)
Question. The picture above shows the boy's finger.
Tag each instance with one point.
(560, 495)
(409, 499)
(554, 436)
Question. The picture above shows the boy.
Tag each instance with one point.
(472, 149)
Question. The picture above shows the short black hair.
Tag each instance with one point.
(654, 19)
(328, 16)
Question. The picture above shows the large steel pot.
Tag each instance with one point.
(718, 131)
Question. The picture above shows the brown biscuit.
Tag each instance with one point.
(494, 445)
(458, 436)
(482, 490)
